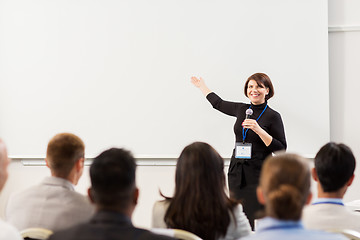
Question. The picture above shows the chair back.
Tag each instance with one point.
(350, 234)
(176, 233)
(36, 233)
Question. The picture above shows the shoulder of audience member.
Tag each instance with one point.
(8, 232)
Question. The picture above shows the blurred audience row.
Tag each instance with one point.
(200, 203)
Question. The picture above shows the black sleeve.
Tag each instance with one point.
(229, 108)
(278, 134)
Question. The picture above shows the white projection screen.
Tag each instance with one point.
(117, 72)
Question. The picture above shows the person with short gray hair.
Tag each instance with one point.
(7, 231)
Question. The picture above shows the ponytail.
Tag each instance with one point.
(283, 203)
(285, 183)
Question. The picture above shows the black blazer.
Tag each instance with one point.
(106, 225)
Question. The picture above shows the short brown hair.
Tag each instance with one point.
(262, 80)
(285, 182)
(63, 150)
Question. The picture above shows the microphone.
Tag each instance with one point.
(248, 113)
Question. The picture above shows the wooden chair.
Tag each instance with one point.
(36, 233)
(176, 233)
(350, 234)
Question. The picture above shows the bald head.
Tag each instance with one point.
(4, 162)
(2, 149)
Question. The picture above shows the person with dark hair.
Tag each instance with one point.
(334, 173)
(200, 204)
(54, 204)
(284, 189)
(114, 192)
(7, 231)
(259, 132)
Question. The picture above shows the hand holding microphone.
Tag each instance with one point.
(250, 123)
(248, 113)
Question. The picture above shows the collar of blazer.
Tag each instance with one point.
(59, 182)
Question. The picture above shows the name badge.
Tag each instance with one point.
(243, 150)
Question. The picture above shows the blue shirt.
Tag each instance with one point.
(270, 228)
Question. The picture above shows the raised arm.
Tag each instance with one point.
(229, 108)
(200, 83)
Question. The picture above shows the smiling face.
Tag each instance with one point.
(258, 88)
(256, 93)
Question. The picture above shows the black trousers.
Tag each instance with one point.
(243, 178)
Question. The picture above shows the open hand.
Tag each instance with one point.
(198, 82)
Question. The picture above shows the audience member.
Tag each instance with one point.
(334, 173)
(7, 232)
(200, 204)
(115, 195)
(54, 204)
(284, 189)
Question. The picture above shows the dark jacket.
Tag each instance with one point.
(106, 225)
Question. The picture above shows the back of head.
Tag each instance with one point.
(63, 151)
(334, 165)
(112, 175)
(199, 165)
(200, 193)
(285, 183)
(4, 162)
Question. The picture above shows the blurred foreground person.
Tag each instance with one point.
(200, 204)
(115, 195)
(334, 173)
(284, 190)
(7, 232)
(54, 204)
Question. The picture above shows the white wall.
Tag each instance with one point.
(125, 67)
(344, 59)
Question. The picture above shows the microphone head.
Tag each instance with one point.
(249, 112)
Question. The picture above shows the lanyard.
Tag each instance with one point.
(244, 133)
(328, 202)
(281, 227)
(273, 224)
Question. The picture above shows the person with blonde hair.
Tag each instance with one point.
(284, 189)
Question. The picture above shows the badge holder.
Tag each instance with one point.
(243, 150)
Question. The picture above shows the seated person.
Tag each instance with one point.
(334, 173)
(115, 195)
(284, 189)
(7, 232)
(200, 204)
(54, 204)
